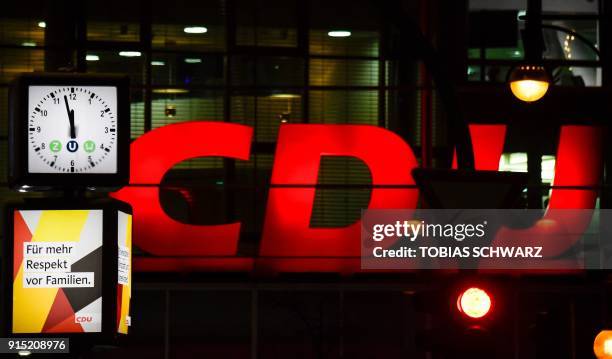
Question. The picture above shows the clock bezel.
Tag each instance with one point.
(19, 175)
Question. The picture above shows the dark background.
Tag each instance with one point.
(380, 75)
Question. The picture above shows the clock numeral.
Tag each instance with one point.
(42, 145)
(43, 113)
(72, 163)
(72, 96)
(102, 113)
(38, 129)
(105, 129)
(56, 101)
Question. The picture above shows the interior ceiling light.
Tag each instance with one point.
(172, 91)
(91, 57)
(42, 24)
(528, 82)
(285, 95)
(339, 33)
(157, 63)
(28, 44)
(195, 30)
(129, 53)
(193, 60)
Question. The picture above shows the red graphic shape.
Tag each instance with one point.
(21, 235)
(60, 311)
(119, 297)
(67, 326)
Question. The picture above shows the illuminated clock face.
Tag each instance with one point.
(72, 129)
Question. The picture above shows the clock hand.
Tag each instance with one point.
(70, 118)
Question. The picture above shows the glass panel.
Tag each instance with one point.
(120, 61)
(15, 61)
(474, 53)
(384, 328)
(267, 71)
(492, 73)
(517, 162)
(204, 105)
(337, 106)
(496, 73)
(345, 27)
(175, 37)
(403, 112)
(106, 23)
(136, 112)
(220, 333)
(176, 70)
(498, 31)
(339, 170)
(288, 318)
(112, 31)
(4, 113)
(497, 5)
(334, 72)
(359, 43)
(473, 73)
(270, 23)
(146, 333)
(266, 113)
(250, 202)
(505, 53)
(4, 154)
(22, 32)
(577, 76)
(570, 7)
(193, 26)
(561, 45)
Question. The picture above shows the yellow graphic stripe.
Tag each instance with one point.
(126, 290)
(31, 306)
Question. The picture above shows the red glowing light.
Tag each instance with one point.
(474, 302)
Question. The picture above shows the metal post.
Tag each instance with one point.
(254, 322)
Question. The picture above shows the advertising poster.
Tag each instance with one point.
(57, 269)
(124, 278)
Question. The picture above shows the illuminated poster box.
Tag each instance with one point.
(69, 269)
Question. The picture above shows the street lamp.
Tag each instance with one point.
(529, 82)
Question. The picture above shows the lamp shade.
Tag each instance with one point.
(529, 83)
(603, 345)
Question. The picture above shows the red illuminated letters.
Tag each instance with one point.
(287, 231)
(152, 155)
(579, 164)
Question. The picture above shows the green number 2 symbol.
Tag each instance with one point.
(55, 146)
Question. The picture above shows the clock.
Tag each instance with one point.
(69, 130)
